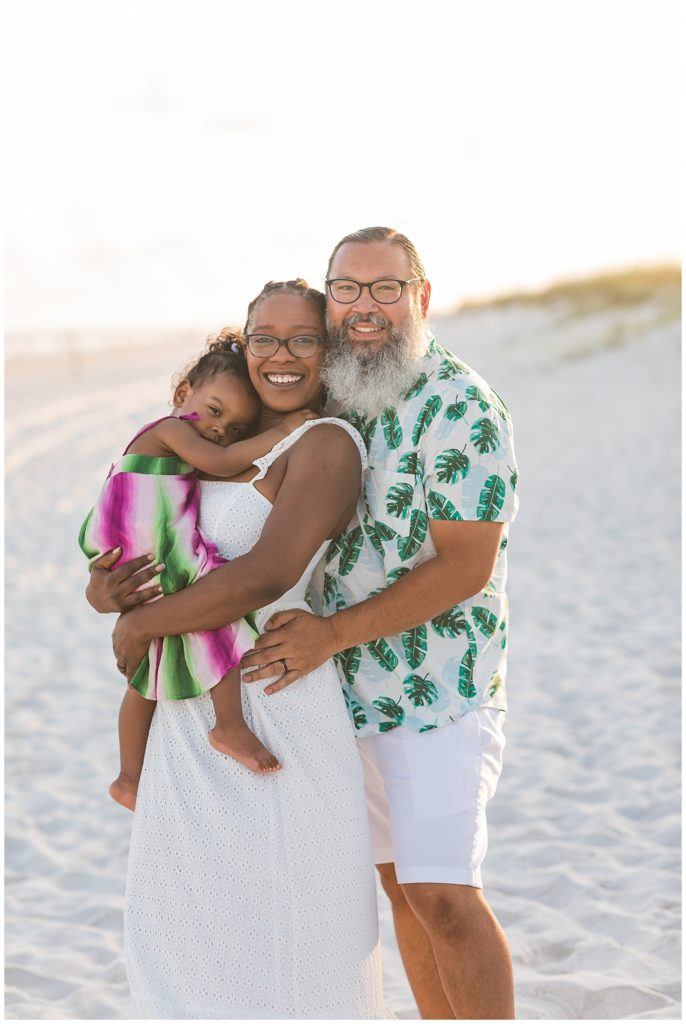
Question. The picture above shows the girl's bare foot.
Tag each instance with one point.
(237, 741)
(124, 791)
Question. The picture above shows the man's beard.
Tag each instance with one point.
(369, 382)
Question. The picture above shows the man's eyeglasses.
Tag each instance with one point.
(386, 290)
(301, 346)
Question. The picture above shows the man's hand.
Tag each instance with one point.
(128, 644)
(119, 590)
(294, 643)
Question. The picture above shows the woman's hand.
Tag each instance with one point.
(129, 644)
(294, 643)
(119, 590)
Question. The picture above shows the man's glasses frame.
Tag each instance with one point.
(370, 284)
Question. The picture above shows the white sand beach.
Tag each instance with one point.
(584, 862)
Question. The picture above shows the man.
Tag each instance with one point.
(416, 616)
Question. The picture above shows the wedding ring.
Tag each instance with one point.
(285, 664)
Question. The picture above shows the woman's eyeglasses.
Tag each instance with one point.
(301, 346)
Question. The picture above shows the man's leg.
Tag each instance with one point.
(415, 951)
(434, 789)
(469, 947)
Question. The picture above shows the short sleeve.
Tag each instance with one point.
(470, 470)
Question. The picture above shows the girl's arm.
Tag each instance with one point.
(182, 439)
(316, 500)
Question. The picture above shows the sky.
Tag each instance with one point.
(164, 160)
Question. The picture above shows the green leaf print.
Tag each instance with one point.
(334, 547)
(349, 662)
(503, 544)
(495, 684)
(387, 726)
(456, 410)
(425, 728)
(466, 686)
(409, 463)
(420, 690)
(364, 427)
(399, 500)
(498, 403)
(381, 652)
(484, 436)
(475, 394)
(355, 419)
(440, 507)
(390, 708)
(392, 430)
(395, 574)
(450, 368)
(350, 550)
(410, 545)
(450, 464)
(378, 532)
(359, 717)
(418, 386)
(415, 645)
(484, 620)
(514, 478)
(368, 433)
(329, 587)
(491, 498)
(426, 416)
(450, 623)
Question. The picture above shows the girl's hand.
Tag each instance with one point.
(296, 419)
(120, 589)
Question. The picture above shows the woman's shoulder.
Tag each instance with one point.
(332, 433)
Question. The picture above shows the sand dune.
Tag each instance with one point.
(583, 867)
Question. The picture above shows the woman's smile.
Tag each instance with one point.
(282, 379)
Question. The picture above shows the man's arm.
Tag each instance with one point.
(465, 556)
(319, 491)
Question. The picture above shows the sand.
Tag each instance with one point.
(584, 862)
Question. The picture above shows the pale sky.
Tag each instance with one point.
(165, 160)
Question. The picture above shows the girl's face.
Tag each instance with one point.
(283, 381)
(226, 410)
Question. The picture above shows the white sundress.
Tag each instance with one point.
(253, 896)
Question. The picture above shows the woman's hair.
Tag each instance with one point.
(296, 287)
(223, 354)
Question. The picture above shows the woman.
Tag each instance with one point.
(253, 896)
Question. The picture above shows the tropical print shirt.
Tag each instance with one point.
(444, 452)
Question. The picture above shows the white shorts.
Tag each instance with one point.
(427, 794)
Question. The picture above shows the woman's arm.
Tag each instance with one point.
(183, 440)
(316, 499)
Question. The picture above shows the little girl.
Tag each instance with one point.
(150, 502)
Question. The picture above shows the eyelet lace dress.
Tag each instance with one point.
(253, 896)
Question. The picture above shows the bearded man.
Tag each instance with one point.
(416, 616)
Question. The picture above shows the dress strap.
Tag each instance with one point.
(267, 460)
(149, 426)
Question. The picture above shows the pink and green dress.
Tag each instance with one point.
(151, 504)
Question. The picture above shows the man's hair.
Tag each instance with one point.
(383, 235)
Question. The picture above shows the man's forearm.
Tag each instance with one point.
(224, 595)
(420, 595)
